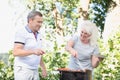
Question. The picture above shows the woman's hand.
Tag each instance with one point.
(70, 48)
(95, 61)
(74, 53)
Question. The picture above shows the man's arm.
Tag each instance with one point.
(19, 50)
(43, 68)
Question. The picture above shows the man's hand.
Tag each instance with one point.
(44, 74)
(38, 52)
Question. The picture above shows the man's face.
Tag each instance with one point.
(36, 23)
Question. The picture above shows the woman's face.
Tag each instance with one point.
(84, 35)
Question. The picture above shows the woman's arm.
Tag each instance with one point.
(69, 48)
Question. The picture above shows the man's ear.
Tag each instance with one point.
(30, 20)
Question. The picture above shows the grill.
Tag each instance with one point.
(67, 74)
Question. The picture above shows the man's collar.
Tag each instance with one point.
(29, 30)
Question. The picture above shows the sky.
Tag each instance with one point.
(6, 26)
(8, 17)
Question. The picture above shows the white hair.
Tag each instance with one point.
(91, 28)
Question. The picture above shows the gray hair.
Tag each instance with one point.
(91, 28)
(32, 14)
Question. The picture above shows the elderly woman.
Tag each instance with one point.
(83, 47)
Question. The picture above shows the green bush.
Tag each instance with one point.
(109, 69)
(6, 70)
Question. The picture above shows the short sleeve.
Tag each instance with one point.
(74, 38)
(96, 50)
(19, 37)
